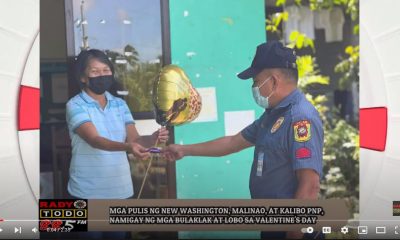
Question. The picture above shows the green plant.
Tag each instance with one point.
(300, 40)
(341, 141)
(349, 67)
(309, 73)
(135, 77)
(275, 20)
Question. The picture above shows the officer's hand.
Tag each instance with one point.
(173, 152)
(138, 151)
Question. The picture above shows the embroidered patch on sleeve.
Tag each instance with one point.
(303, 153)
(302, 131)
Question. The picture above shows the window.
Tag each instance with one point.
(130, 34)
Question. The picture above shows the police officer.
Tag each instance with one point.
(288, 137)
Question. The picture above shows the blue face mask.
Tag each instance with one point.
(260, 99)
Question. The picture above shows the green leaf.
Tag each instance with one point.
(305, 65)
(309, 43)
(290, 45)
(300, 41)
(280, 2)
(349, 50)
(356, 29)
(316, 79)
(293, 36)
(320, 99)
(285, 16)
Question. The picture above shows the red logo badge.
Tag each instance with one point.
(303, 153)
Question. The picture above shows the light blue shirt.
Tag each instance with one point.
(95, 173)
(287, 138)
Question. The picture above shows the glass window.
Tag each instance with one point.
(130, 33)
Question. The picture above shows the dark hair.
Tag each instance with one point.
(83, 59)
(291, 74)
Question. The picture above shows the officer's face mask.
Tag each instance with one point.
(100, 84)
(260, 99)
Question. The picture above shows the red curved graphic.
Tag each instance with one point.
(373, 128)
(28, 108)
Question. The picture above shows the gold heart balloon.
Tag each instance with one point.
(175, 100)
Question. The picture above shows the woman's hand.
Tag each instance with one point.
(160, 136)
(138, 151)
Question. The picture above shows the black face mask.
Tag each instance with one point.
(100, 84)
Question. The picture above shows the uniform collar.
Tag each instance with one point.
(89, 99)
(289, 99)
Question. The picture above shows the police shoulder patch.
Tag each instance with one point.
(303, 152)
(277, 124)
(302, 131)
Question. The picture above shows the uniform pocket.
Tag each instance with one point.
(275, 156)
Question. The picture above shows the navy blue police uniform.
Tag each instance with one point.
(287, 137)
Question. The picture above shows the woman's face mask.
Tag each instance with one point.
(100, 84)
(260, 99)
(100, 77)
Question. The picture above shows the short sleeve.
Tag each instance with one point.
(305, 144)
(250, 132)
(127, 114)
(76, 115)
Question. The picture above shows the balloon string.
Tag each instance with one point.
(147, 171)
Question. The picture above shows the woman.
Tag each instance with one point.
(102, 130)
